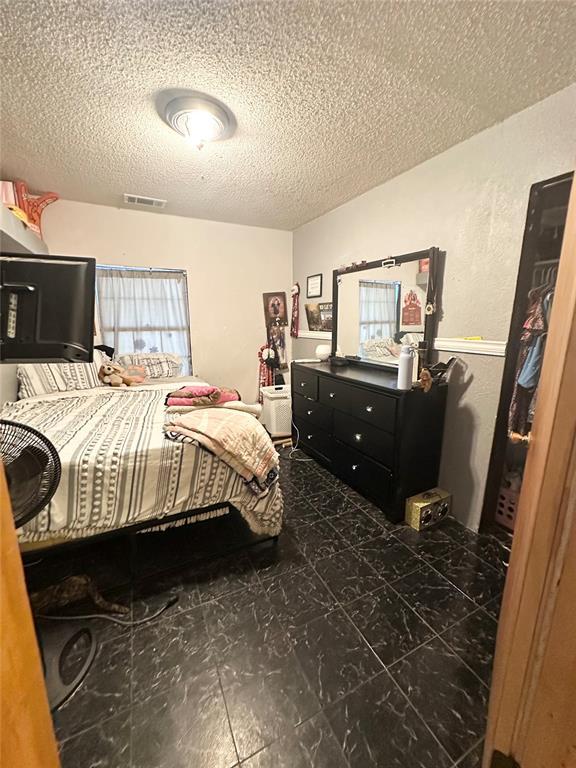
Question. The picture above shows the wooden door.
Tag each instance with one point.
(26, 732)
(532, 714)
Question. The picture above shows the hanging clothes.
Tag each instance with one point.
(295, 319)
(529, 363)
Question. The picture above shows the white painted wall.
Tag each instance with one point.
(471, 202)
(229, 266)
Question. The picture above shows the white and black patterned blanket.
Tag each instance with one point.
(119, 469)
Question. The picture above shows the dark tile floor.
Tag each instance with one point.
(353, 643)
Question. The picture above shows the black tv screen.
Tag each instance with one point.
(46, 308)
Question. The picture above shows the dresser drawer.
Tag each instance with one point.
(311, 436)
(305, 383)
(368, 477)
(313, 412)
(364, 437)
(373, 407)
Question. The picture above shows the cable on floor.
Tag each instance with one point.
(173, 600)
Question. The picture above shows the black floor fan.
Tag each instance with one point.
(33, 472)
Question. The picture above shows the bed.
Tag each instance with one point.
(119, 470)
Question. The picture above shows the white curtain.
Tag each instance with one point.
(144, 310)
(378, 310)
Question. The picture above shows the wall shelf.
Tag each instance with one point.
(322, 335)
(471, 346)
(15, 237)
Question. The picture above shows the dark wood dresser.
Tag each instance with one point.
(384, 442)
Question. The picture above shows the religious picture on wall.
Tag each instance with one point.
(277, 340)
(319, 316)
(412, 309)
(275, 309)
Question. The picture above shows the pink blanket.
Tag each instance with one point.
(202, 395)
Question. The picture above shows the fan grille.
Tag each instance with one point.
(32, 468)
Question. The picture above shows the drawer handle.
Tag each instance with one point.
(302, 383)
(309, 437)
(369, 409)
(332, 394)
(358, 437)
(309, 413)
(354, 467)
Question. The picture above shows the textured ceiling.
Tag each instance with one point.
(331, 97)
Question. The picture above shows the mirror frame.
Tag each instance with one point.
(432, 297)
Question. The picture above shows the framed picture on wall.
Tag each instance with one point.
(275, 308)
(319, 316)
(314, 286)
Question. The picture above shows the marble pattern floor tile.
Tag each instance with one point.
(430, 545)
(104, 692)
(433, 598)
(493, 551)
(334, 656)
(225, 575)
(348, 576)
(447, 695)
(318, 652)
(377, 728)
(389, 625)
(389, 557)
(331, 503)
(169, 652)
(152, 593)
(184, 726)
(377, 515)
(248, 653)
(262, 710)
(355, 526)
(474, 640)
(274, 559)
(320, 540)
(478, 580)
(232, 613)
(472, 759)
(312, 485)
(301, 511)
(309, 745)
(494, 606)
(106, 745)
(458, 532)
(299, 597)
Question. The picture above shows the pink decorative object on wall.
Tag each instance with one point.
(33, 205)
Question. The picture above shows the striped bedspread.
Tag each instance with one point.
(118, 468)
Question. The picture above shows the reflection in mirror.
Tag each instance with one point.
(381, 309)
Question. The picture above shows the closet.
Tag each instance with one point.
(538, 269)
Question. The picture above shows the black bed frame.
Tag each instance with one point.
(137, 527)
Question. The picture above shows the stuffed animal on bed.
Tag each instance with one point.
(116, 376)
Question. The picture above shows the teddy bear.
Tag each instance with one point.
(114, 375)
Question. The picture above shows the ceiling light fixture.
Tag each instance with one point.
(199, 118)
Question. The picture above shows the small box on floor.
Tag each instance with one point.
(428, 508)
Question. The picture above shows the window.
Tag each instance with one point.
(144, 310)
(378, 309)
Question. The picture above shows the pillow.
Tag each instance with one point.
(158, 365)
(44, 378)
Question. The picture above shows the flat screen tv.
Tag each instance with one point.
(46, 308)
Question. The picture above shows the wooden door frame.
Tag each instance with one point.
(545, 522)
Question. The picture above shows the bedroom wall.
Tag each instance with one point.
(471, 202)
(229, 266)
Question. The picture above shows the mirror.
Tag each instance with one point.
(380, 308)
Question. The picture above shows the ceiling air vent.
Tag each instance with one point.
(144, 202)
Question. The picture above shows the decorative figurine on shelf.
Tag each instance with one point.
(33, 205)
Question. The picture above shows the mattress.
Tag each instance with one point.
(118, 469)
